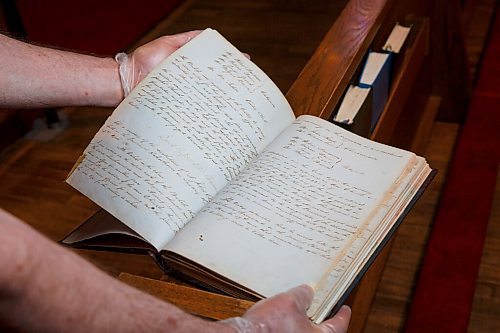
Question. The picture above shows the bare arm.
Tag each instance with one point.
(46, 288)
(33, 76)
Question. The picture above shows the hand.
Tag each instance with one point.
(134, 67)
(286, 312)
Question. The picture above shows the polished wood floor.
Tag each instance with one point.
(280, 39)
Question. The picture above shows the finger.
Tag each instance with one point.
(184, 37)
(303, 295)
(339, 323)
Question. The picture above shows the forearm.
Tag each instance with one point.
(33, 76)
(47, 288)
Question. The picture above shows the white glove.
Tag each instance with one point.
(135, 66)
(286, 312)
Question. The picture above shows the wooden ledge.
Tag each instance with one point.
(197, 302)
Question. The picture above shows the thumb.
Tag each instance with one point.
(179, 40)
(148, 56)
(303, 296)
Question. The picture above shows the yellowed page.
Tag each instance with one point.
(183, 133)
(343, 273)
(296, 211)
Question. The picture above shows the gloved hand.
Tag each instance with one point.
(135, 66)
(286, 312)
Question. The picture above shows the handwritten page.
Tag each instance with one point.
(342, 274)
(190, 127)
(296, 210)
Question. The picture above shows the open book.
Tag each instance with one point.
(206, 164)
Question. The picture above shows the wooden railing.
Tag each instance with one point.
(325, 77)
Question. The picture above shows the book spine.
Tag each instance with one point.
(160, 262)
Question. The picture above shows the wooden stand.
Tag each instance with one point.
(192, 300)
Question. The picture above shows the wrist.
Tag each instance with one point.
(124, 71)
(110, 92)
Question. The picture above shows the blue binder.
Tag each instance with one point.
(380, 83)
